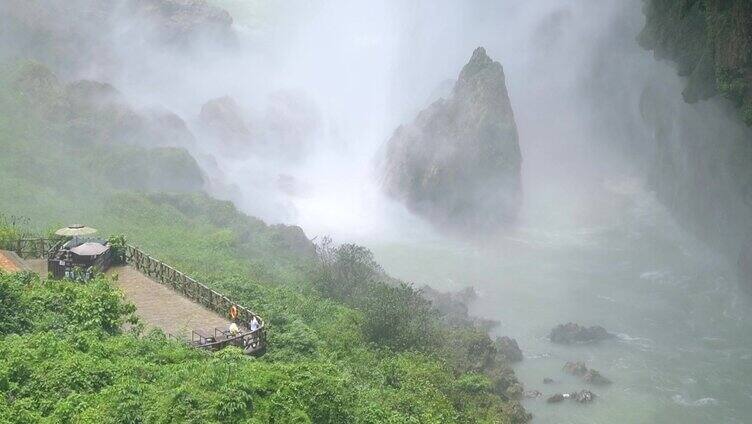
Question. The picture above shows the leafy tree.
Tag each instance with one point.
(14, 312)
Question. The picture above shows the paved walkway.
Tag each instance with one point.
(159, 306)
(37, 265)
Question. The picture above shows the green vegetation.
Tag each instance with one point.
(347, 343)
(711, 43)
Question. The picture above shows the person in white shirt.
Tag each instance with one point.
(255, 324)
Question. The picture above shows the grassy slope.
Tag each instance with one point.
(320, 367)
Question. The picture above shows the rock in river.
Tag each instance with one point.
(583, 396)
(589, 375)
(458, 163)
(570, 333)
(594, 377)
(576, 368)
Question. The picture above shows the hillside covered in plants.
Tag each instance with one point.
(347, 343)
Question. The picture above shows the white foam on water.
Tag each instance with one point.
(654, 275)
(706, 401)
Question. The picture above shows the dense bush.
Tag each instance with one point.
(394, 313)
(74, 367)
(14, 315)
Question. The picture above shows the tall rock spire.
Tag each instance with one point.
(458, 163)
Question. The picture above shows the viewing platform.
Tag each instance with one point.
(164, 297)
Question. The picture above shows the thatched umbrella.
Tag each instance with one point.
(76, 230)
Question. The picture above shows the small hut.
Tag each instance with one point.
(81, 256)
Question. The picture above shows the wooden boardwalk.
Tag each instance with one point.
(164, 297)
(160, 306)
(37, 265)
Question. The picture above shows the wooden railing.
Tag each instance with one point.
(199, 293)
(252, 341)
(38, 248)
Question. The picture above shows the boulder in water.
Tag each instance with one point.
(583, 396)
(594, 377)
(570, 333)
(531, 394)
(458, 163)
(558, 397)
(589, 375)
(576, 368)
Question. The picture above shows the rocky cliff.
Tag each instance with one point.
(700, 163)
(458, 163)
(711, 43)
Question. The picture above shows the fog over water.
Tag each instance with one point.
(592, 244)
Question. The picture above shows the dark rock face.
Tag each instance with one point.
(508, 347)
(701, 158)
(711, 43)
(589, 375)
(699, 167)
(458, 164)
(570, 333)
